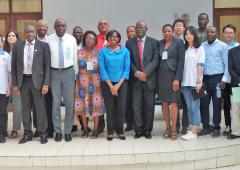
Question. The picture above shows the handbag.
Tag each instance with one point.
(198, 95)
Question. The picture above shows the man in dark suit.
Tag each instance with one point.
(144, 61)
(234, 71)
(30, 76)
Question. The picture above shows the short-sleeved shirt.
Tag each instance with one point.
(5, 70)
(193, 58)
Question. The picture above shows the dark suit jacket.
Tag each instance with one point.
(234, 65)
(150, 60)
(176, 56)
(40, 68)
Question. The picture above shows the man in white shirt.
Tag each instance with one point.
(64, 67)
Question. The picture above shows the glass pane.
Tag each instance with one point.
(234, 19)
(4, 6)
(2, 27)
(227, 4)
(26, 6)
(21, 24)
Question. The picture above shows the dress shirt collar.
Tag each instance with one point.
(33, 42)
(143, 38)
(44, 39)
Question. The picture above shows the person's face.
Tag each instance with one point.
(186, 19)
(167, 33)
(78, 34)
(11, 38)
(60, 28)
(141, 29)
(202, 21)
(211, 33)
(228, 34)
(131, 32)
(103, 27)
(42, 29)
(179, 28)
(113, 40)
(189, 37)
(30, 34)
(90, 41)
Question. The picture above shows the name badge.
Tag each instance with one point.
(164, 55)
(89, 65)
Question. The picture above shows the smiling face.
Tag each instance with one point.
(60, 27)
(141, 29)
(228, 34)
(211, 33)
(202, 21)
(103, 27)
(90, 41)
(179, 28)
(30, 33)
(42, 28)
(167, 33)
(78, 34)
(189, 37)
(131, 32)
(12, 38)
(113, 39)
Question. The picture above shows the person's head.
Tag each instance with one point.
(60, 27)
(78, 34)
(141, 29)
(1, 41)
(89, 39)
(42, 28)
(203, 20)
(131, 31)
(229, 32)
(113, 37)
(30, 33)
(211, 33)
(178, 27)
(103, 26)
(167, 31)
(11, 39)
(186, 18)
(191, 37)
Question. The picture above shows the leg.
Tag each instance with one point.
(57, 97)
(68, 85)
(166, 115)
(17, 112)
(204, 110)
(3, 115)
(129, 108)
(48, 101)
(174, 113)
(227, 105)
(184, 115)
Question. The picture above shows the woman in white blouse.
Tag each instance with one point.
(192, 79)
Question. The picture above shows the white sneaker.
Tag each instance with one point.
(189, 136)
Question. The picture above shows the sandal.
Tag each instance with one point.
(94, 134)
(174, 135)
(167, 133)
(85, 133)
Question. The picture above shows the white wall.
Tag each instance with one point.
(121, 13)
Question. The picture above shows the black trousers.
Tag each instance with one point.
(3, 113)
(227, 92)
(48, 101)
(143, 108)
(129, 107)
(183, 106)
(30, 97)
(211, 83)
(115, 108)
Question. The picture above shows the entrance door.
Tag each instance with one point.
(4, 24)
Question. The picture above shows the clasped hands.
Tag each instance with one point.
(141, 76)
(114, 89)
(16, 90)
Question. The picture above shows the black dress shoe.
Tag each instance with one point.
(137, 135)
(68, 137)
(215, 133)
(232, 136)
(25, 139)
(148, 136)
(43, 139)
(50, 135)
(204, 132)
(127, 129)
(121, 136)
(74, 128)
(36, 134)
(58, 137)
(2, 139)
(109, 137)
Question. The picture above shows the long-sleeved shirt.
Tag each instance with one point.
(114, 65)
(216, 62)
(5, 70)
(69, 51)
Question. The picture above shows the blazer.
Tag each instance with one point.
(40, 67)
(150, 60)
(176, 56)
(234, 65)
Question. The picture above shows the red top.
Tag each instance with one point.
(101, 41)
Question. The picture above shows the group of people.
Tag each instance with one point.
(96, 74)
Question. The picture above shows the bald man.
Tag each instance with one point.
(31, 77)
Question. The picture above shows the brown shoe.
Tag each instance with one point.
(121, 136)
(167, 133)
(14, 134)
(174, 135)
(85, 133)
(94, 134)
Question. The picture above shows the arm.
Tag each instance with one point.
(9, 77)
(102, 66)
(234, 75)
(47, 64)
(226, 77)
(132, 66)
(14, 72)
(180, 60)
(75, 58)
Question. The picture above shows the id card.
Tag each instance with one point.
(164, 55)
(89, 65)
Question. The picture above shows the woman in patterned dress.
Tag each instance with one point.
(88, 94)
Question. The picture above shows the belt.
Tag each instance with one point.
(27, 75)
(61, 69)
(213, 75)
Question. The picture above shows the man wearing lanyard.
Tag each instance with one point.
(64, 67)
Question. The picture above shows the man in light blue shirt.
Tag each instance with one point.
(215, 76)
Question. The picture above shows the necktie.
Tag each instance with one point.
(61, 55)
(140, 52)
(29, 58)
